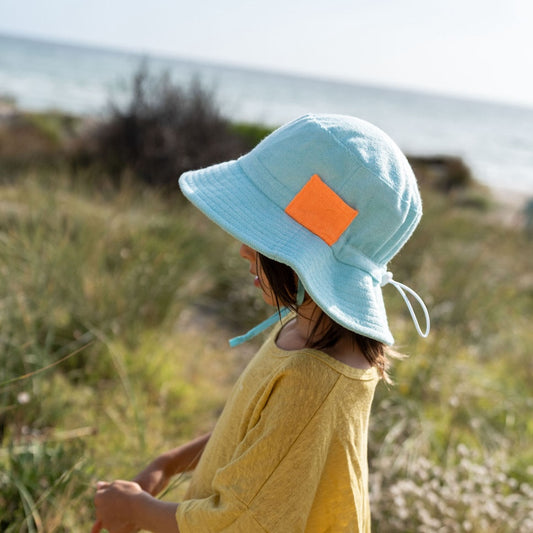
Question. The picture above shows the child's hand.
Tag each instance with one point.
(115, 506)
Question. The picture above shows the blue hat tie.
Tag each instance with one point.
(386, 279)
(271, 320)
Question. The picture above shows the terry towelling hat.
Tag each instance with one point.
(331, 196)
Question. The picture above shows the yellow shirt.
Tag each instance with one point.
(289, 452)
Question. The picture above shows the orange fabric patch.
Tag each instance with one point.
(321, 210)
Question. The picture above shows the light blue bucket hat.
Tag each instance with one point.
(333, 197)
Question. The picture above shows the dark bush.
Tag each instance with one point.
(442, 173)
(161, 132)
(251, 134)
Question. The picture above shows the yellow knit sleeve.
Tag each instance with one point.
(271, 480)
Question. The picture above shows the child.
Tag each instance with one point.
(321, 206)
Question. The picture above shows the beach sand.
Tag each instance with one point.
(510, 206)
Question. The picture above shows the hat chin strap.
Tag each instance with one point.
(386, 279)
(271, 320)
(401, 288)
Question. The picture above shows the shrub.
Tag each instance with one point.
(443, 173)
(161, 132)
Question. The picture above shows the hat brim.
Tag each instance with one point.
(349, 295)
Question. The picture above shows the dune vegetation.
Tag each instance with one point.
(117, 299)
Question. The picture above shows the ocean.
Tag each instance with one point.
(495, 140)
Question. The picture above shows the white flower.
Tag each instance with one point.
(23, 398)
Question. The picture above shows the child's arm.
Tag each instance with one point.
(153, 479)
(156, 476)
(122, 506)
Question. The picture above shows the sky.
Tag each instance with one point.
(469, 48)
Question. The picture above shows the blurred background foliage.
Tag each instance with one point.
(117, 299)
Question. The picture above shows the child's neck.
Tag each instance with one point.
(295, 336)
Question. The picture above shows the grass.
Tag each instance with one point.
(105, 275)
(116, 284)
(468, 387)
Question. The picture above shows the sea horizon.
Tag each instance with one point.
(494, 138)
(202, 63)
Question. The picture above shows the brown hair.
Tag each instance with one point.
(283, 283)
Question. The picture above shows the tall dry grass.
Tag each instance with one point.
(120, 279)
(96, 279)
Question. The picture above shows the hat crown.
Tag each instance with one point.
(360, 163)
